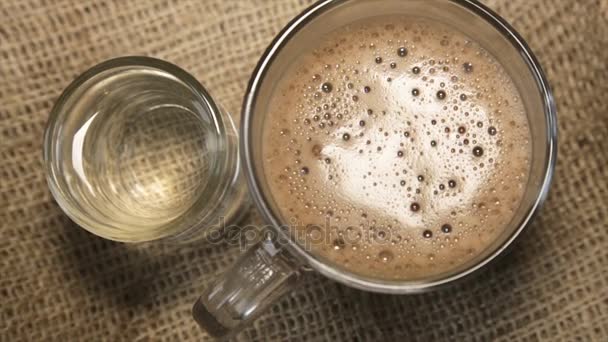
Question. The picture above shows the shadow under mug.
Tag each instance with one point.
(271, 268)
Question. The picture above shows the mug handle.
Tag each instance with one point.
(260, 276)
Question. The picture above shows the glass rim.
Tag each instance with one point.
(350, 278)
(80, 217)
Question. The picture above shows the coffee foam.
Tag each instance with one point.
(403, 141)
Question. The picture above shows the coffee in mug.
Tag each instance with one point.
(400, 141)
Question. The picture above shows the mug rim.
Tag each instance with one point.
(350, 279)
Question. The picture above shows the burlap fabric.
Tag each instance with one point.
(60, 283)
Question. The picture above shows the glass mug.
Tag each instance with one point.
(272, 267)
(136, 150)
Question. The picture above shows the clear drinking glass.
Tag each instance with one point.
(272, 267)
(136, 150)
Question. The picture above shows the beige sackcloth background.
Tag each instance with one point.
(60, 283)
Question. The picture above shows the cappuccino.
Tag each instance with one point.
(400, 142)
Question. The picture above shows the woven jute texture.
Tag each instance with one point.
(60, 283)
